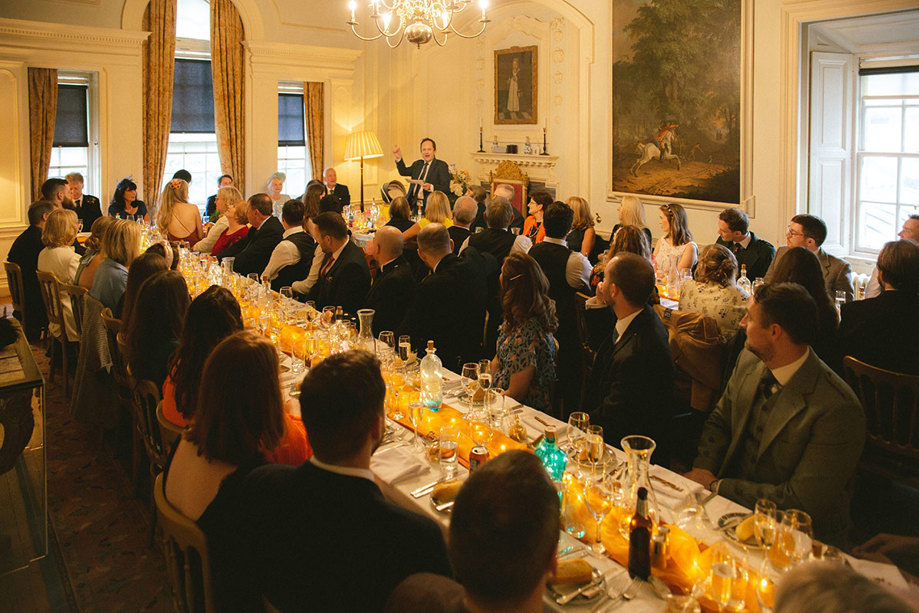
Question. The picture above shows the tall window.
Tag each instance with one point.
(70, 150)
(887, 155)
(292, 158)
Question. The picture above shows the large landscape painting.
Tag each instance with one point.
(676, 99)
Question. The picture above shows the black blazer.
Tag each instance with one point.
(253, 252)
(345, 283)
(882, 331)
(89, 211)
(24, 252)
(391, 294)
(341, 192)
(314, 540)
(449, 308)
(630, 390)
(757, 256)
(459, 236)
(438, 176)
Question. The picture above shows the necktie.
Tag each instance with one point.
(326, 266)
(737, 248)
(76, 203)
(768, 385)
(424, 172)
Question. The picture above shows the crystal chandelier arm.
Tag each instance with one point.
(367, 38)
(434, 36)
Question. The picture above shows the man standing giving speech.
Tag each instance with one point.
(432, 173)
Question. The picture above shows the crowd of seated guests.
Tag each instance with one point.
(714, 292)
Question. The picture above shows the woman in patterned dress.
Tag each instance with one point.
(714, 292)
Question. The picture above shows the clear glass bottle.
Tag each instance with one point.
(744, 282)
(432, 395)
(553, 459)
(365, 339)
(638, 450)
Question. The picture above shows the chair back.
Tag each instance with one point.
(891, 403)
(145, 398)
(169, 432)
(587, 354)
(76, 294)
(112, 328)
(51, 296)
(17, 293)
(187, 558)
(509, 173)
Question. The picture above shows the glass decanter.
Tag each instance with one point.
(638, 449)
(365, 339)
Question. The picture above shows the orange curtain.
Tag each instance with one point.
(42, 111)
(314, 110)
(158, 69)
(227, 62)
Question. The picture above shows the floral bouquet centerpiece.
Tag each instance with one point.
(459, 182)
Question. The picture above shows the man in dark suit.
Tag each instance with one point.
(882, 331)
(87, 207)
(630, 390)
(210, 210)
(24, 252)
(337, 189)
(506, 191)
(434, 174)
(344, 278)
(321, 537)
(464, 212)
(787, 428)
(568, 272)
(480, 195)
(394, 286)
(809, 232)
(449, 304)
(253, 252)
(734, 233)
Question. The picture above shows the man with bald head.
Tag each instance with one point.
(393, 287)
(464, 212)
(507, 192)
(449, 304)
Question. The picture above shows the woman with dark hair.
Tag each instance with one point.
(233, 427)
(154, 323)
(400, 214)
(631, 239)
(714, 292)
(801, 265)
(145, 266)
(677, 239)
(125, 204)
(524, 364)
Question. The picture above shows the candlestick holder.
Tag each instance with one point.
(545, 151)
(481, 143)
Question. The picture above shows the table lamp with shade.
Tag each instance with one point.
(361, 146)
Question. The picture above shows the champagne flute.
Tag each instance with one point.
(405, 347)
(722, 575)
(484, 384)
(287, 300)
(764, 522)
(598, 498)
(415, 413)
(596, 448)
(577, 427)
(397, 382)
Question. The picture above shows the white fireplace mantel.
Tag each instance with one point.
(539, 167)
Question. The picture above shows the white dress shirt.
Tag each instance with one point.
(578, 268)
(623, 324)
(285, 254)
(304, 286)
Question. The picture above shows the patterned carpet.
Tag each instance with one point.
(102, 528)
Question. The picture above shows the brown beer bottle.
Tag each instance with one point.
(640, 538)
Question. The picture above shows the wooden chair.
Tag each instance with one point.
(76, 294)
(17, 293)
(169, 432)
(188, 561)
(54, 307)
(145, 398)
(891, 403)
(509, 173)
(587, 354)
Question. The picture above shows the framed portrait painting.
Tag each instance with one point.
(679, 112)
(515, 86)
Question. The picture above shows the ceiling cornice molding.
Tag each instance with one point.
(287, 54)
(21, 33)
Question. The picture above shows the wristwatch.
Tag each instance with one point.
(714, 485)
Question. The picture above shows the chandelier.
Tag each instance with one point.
(417, 21)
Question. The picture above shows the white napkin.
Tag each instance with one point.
(668, 495)
(397, 463)
(530, 422)
(887, 575)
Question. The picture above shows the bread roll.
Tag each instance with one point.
(446, 491)
(570, 572)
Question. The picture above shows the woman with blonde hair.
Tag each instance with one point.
(437, 210)
(582, 236)
(223, 199)
(524, 364)
(236, 219)
(275, 184)
(86, 269)
(59, 258)
(677, 240)
(121, 245)
(714, 292)
(632, 213)
(176, 217)
(400, 214)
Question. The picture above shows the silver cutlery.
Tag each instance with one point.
(424, 490)
(586, 588)
(444, 506)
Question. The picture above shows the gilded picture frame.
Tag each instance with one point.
(516, 72)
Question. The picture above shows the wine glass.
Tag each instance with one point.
(405, 347)
(797, 534)
(577, 428)
(388, 338)
(397, 382)
(480, 428)
(596, 448)
(723, 573)
(764, 522)
(765, 587)
(470, 375)
(598, 499)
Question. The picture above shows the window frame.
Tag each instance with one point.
(92, 183)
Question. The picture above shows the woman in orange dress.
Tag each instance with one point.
(532, 225)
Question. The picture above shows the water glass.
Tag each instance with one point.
(496, 403)
(480, 428)
(572, 527)
(449, 451)
(388, 338)
(599, 497)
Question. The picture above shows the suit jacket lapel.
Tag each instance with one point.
(630, 332)
(790, 402)
(743, 406)
(824, 261)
